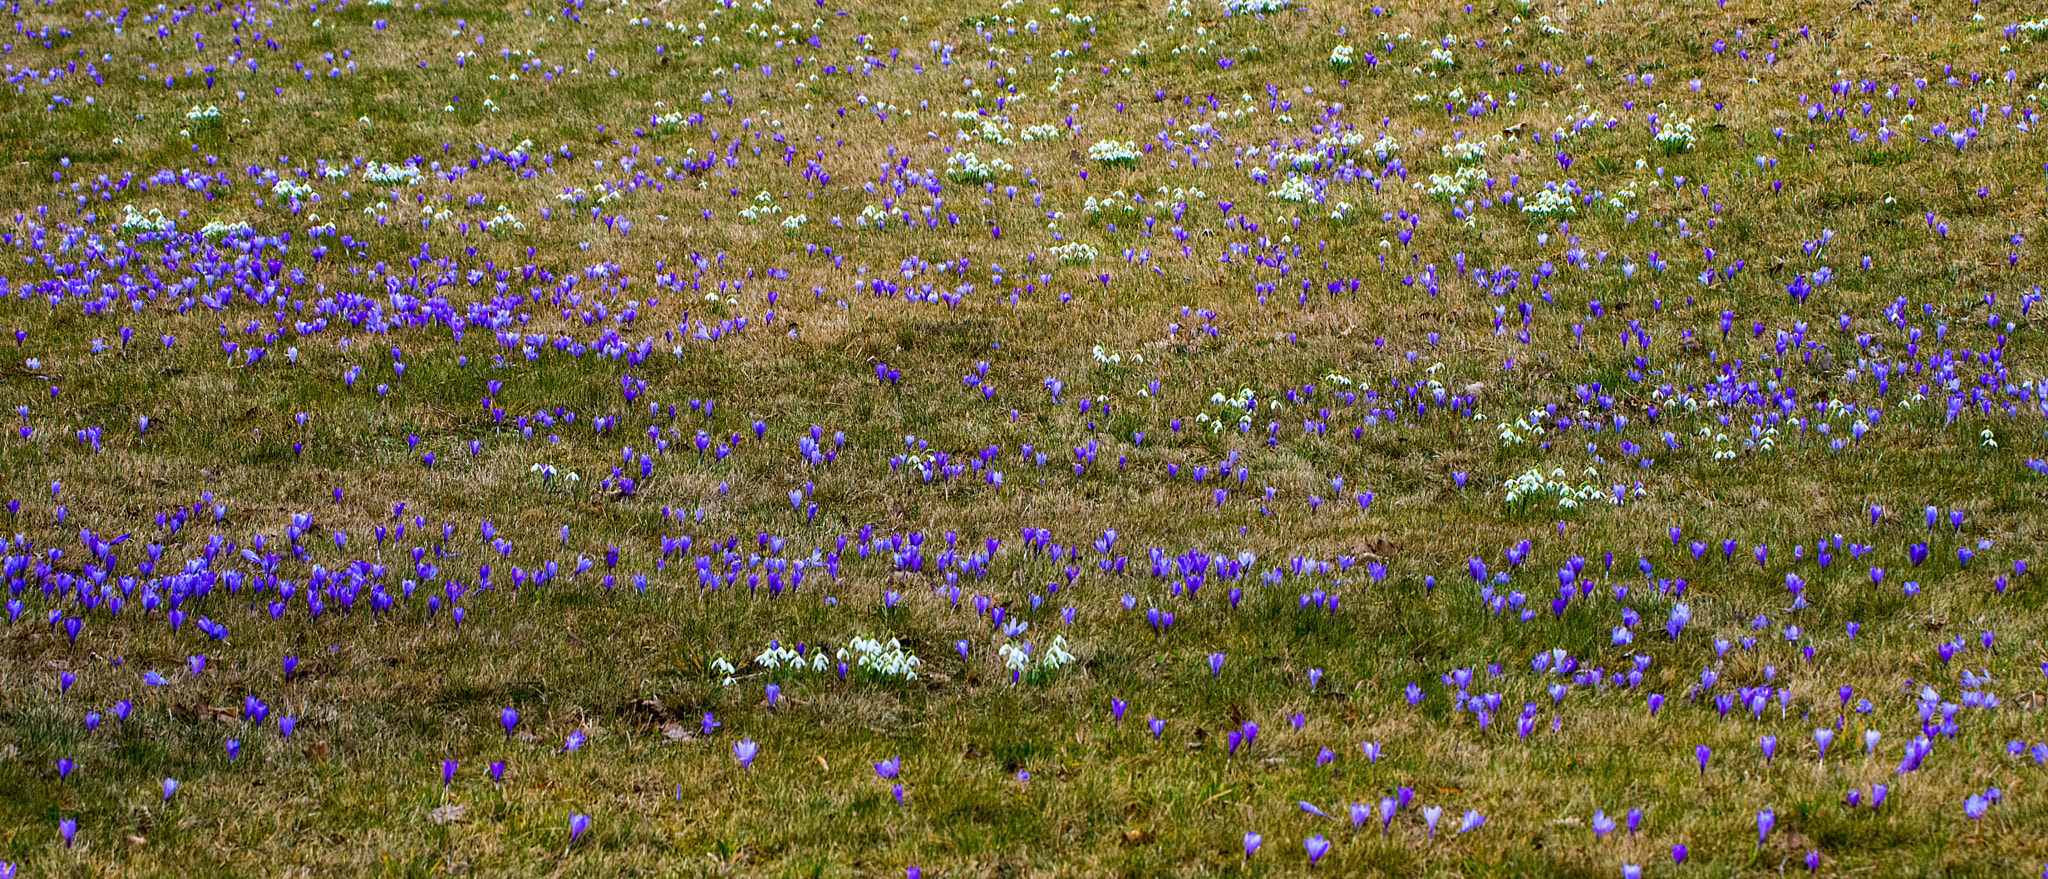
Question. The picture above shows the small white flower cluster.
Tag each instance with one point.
(216, 229)
(1106, 357)
(1586, 117)
(1342, 211)
(1675, 137)
(794, 222)
(1385, 146)
(547, 474)
(673, 117)
(1113, 153)
(1548, 202)
(133, 221)
(1039, 132)
(1299, 161)
(1511, 434)
(503, 221)
(1340, 57)
(969, 168)
(1457, 183)
(1253, 7)
(1239, 404)
(1176, 196)
(2032, 30)
(1056, 654)
(987, 128)
(872, 215)
(1534, 484)
(1720, 443)
(887, 660)
(1093, 207)
(1346, 140)
(333, 172)
(723, 668)
(1076, 252)
(390, 175)
(1294, 188)
(1442, 57)
(1766, 439)
(207, 113)
(779, 657)
(1620, 199)
(1465, 150)
(764, 205)
(292, 189)
(1017, 657)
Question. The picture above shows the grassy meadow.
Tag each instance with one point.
(1007, 439)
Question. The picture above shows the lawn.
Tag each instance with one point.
(1120, 438)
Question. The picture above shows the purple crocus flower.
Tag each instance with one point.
(1678, 853)
(1371, 751)
(1215, 664)
(67, 828)
(1156, 725)
(1251, 843)
(1471, 821)
(508, 719)
(1975, 805)
(447, 773)
(1764, 820)
(1310, 808)
(578, 823)
(1602, 825)
(1430, 814)
(1317, 847)
(1701, 753)
(888, 768)
(497, 770)
(1387, 809)
(744, 751)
